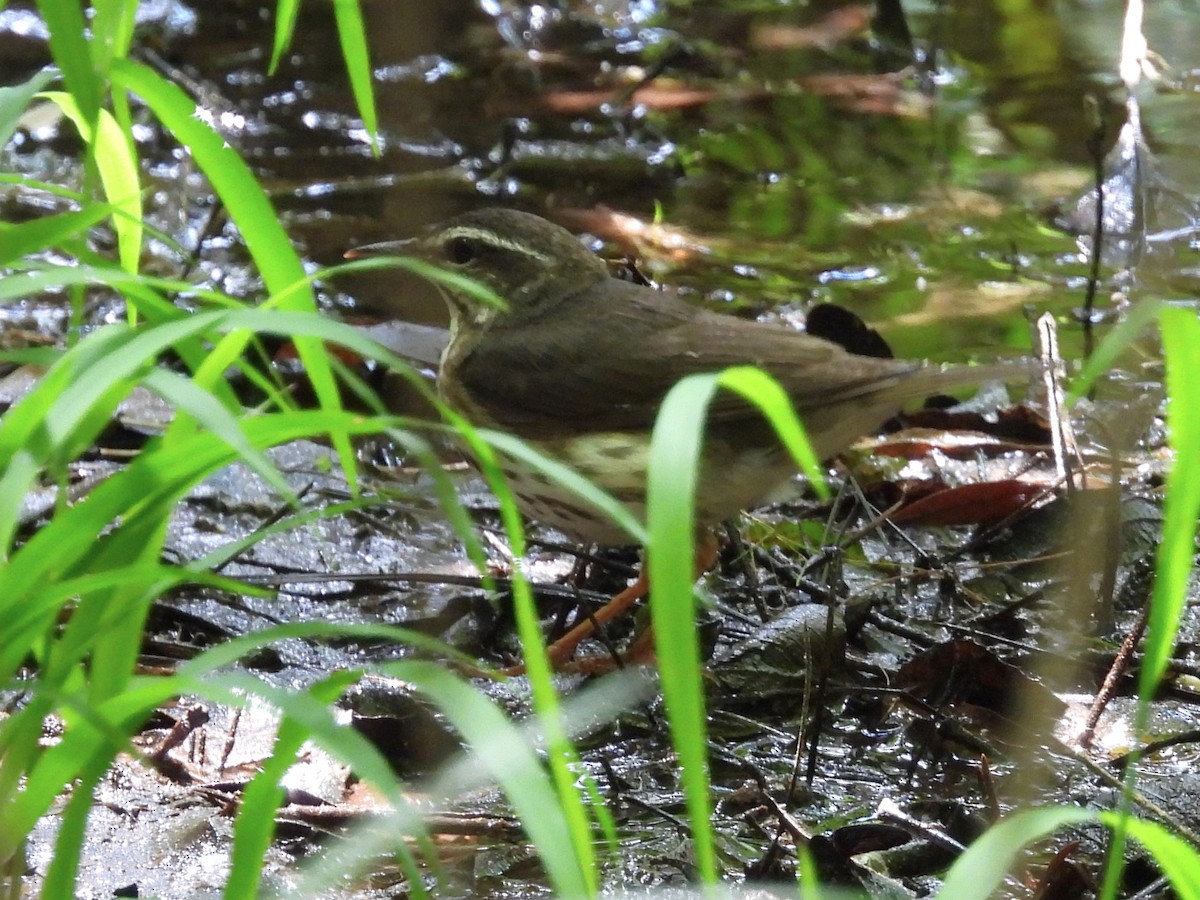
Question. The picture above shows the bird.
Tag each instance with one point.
(577, 363)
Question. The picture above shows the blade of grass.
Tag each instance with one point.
(536, 799)
(978, 873)
(352, 36)
(36, 434)
(566, 477)
(1177, 550)
(674, 466)
(112, 30)
(583, 711)
(286, 12)
(1176, 558)
(15, 100)
(1179, 860)
(37, 235)
(229, 175)
(230, 651)
(72, 53)
(1134, 323)
(118, 174)
(561, 753)
(255, 824)
(150, 483)
(204, 408)
(426, 270)
(259, 225)
(105, 628)
(63, 869)
(670, 558)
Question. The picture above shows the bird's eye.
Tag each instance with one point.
(460, 250)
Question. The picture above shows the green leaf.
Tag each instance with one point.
(112, 30)
(183, 394)
(73, 54)
(675, 455)
(670, 558)
(353, 37)
(17, 241)
(255, 825)
(1177, 550)
(16, 99)
(230, 177)
(1179, 860)
(118, 173)
(259, 225)
(501, 747)
(979, 872)
(286, 12)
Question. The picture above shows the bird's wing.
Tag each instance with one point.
(612, 365)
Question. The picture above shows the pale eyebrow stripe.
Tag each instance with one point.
(496, 240)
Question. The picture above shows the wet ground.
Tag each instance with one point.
(764, 160)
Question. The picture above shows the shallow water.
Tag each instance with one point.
(789, 159)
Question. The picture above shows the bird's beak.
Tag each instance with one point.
(406, 247)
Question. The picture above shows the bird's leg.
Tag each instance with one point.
(560, 651)
(642, 650)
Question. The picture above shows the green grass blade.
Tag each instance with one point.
(352, 35)
(259, 225)
(105, 628)
(1136, 320)
(118, 174)
(255, 825)
(63, 870)
(978, 873)
(286, 12)
(233, 649)
(112, 30)
(59, 417)
(17, 241)
(1179, 860)
(561, 753)
(73, 54)
(670, 557)
(19, 473)
(28, 621)
(1177, 550)
(202, 406)
(568, 478)
(150, 482)
(773, 402)
(674, 464)
(426, 270)
(501, 747)
(74, 400)
(230, 177)
(91, 739)
(35, 279)
(16, 99)
(1176, 558)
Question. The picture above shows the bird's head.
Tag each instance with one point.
(529, 263)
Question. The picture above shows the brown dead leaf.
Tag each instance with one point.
(834, 28)
(970, 504)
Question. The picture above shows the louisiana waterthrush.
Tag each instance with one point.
(579, 363)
